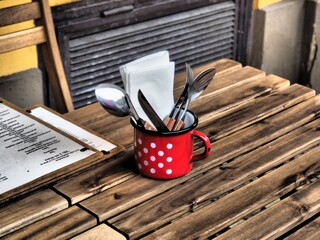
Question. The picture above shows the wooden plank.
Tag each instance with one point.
(65, 224)
(98, 179)
(222, 103)
(182, 199)
(310, 231)
(136, 190)
(280, 218)
(20, 13)
(223, 82)
(53, 63)
(254, 111)
(21, 39)
(30, 209)
(262, 132)
(222, 66)
(218, 215)
(100, 232)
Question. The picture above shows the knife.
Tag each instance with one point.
(135, 115)
(151, 113)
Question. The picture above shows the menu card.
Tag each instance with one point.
(72, 129)
(29, 149)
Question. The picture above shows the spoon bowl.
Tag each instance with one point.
(113, 99)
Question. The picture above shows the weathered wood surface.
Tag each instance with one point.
(139, 189)
(183, 199)
(310, 231)
(223, 103)
(286, 214)
(100, 232)
(254, 111)
(261, 180)
(218, 215)
(63, 225)
(30, 11)
(98, 179)
(25, 211)
(222, 66)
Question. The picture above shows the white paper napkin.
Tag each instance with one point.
(154, 75)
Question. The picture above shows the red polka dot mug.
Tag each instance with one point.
(166, 155)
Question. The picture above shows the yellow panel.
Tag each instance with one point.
(26, 58)
(60, 2)
(21, 59)
(18, 61)
(258, 4)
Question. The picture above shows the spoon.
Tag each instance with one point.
(118, 103)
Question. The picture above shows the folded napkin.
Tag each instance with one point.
(154, 75)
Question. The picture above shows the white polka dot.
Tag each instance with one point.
(152, 170)
(139, 141)
(145, 162)
(160, 165)
(169, 145)
(139, 154)
(145, 150)
(153, 145)
(139, 166)
(169, 171)
(153, 158)
(160, 153)
(169, 159)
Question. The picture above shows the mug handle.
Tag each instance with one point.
(207, 145)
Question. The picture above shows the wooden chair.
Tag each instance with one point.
(43, 34)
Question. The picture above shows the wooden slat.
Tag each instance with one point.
(54, 64)
(285, 215)
(254, 111)
(98, 179)
(223, 82)
(182, 199)
(311, 231)
(21, 39)
(217, 215)
(100, 232)
(63, 225)
(222, 66)
(138, 189)
(30, 209)
(222, 103)
(262, 132)
(246, 74)
(20, 13)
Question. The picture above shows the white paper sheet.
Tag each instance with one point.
(29, 149)
(72, 129)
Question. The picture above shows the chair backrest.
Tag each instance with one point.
(42, 33)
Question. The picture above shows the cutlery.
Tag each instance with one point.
(151, 113)
(195, 89)
(171, 119)
(117, 102)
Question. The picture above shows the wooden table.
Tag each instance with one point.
(261, 180)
